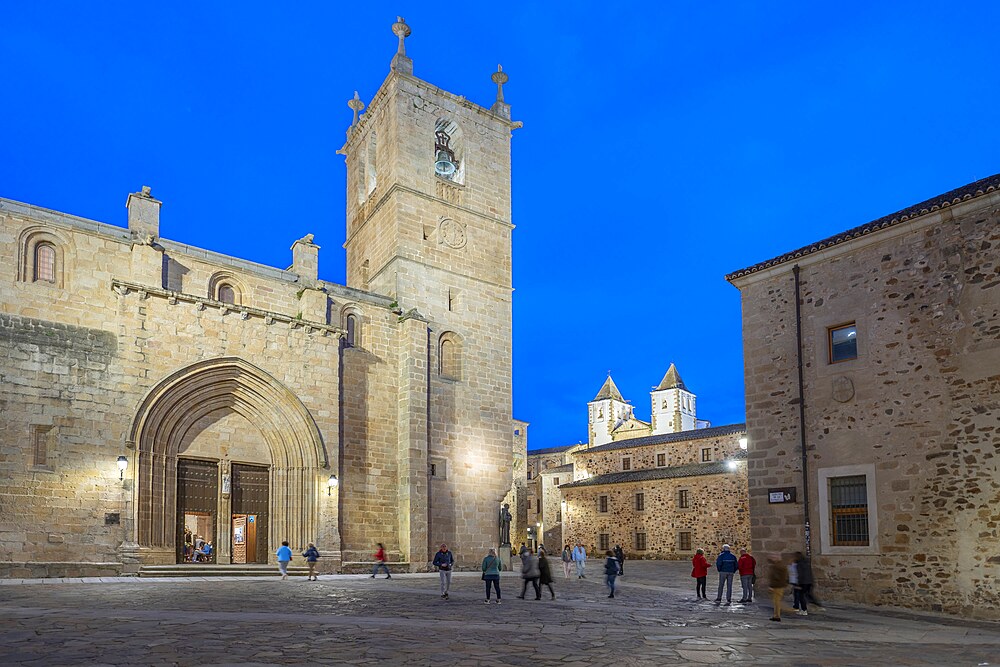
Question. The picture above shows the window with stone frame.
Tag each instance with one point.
(661, 460)
(555, 481)
(683, 499)
(706, 454)
(351, 324)
(640, 501)
(640, 541)
(849, 511)
(226, 294)
(45, 263)
(684, 541)
(450, 356)
(627, 463)
(842, 341)
(529, 503)
(603, 542)
(602, 503)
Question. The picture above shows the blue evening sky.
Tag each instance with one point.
(664, 145)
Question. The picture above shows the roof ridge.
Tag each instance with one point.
(969, 191)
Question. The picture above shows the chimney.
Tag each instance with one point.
(143, 216)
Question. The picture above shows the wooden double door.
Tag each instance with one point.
(198, 507)
(251, 496)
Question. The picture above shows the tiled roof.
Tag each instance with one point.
(567, 467)
(549, 450)
(664, 438)
(674, 472)
(672, 380)
(966, 192)
(609, 390)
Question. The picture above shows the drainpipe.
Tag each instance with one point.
(802, 412)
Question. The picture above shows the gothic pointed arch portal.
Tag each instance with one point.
(163, 419)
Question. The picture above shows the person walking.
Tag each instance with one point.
(611, 572)
(806, 580)
(544, 573)
(491, 574)
(380, 562)
(443, 561)
(699, 570)
(726, 565)
(523, 550)
(311, 555)
(567, 560)
(284, 555)
(530, 573)
(580, 558)
(793, 581)
(777, 580)
(620, 555)
(747, 566)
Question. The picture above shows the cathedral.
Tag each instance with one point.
(158, 398)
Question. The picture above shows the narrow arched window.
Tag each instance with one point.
(227, 294)
(45, 263)
(450, 356)
(352, 331)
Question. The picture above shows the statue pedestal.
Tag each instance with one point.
(504, 553)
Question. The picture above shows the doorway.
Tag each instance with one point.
(251, 497)
(197, 503)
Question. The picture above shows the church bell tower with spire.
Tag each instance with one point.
(429, 224)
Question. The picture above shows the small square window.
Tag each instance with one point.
(684, 541)
(555, 481)
(640, 541)
(843, 343)
(627, 463)
(640, 502)
(529, 503)
(706, 454)
(433, 469)
(661, 460)
(602, 504)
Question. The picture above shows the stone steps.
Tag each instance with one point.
(215, 570)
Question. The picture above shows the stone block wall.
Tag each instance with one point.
(718, 514)
(918, 408)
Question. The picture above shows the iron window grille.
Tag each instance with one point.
(849, 511)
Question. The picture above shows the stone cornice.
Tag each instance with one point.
(123, 288)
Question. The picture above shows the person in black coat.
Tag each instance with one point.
(545, 573)
(620, 557)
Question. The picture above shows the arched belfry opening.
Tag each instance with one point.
(226, 449)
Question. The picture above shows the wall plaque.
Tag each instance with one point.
(784, 495)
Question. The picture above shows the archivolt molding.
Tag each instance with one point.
(170, 409)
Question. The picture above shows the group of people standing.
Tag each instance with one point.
(798, 573)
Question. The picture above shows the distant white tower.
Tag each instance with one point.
(673, 405)
(607, 410)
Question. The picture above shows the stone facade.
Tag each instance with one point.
(908, 416)
(660, 496)
(116, 342)
(547, 469)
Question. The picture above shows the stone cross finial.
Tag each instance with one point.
(357, 105)
(499, 78)
(401, 30)
(147, 191)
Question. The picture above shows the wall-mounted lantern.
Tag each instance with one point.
(122, 464)
(331, 484)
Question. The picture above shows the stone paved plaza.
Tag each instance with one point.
(353, 619)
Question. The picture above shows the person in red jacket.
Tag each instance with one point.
(747, 564)
(380, 562)
(700, 572)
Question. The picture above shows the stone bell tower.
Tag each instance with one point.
(429, 224)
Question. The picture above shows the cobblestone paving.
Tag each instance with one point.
(355, 620)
